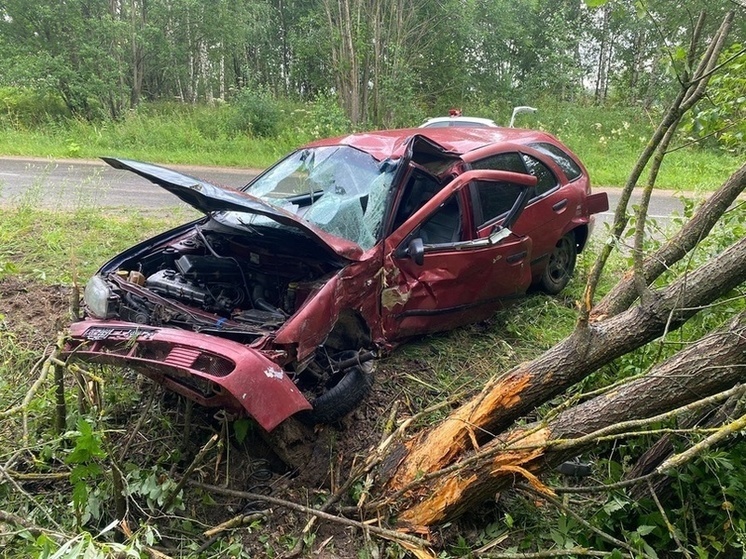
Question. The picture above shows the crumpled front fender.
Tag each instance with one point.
(211, 371)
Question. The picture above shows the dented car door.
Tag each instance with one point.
(439, 274)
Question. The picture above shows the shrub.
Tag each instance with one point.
(27, 108)
(256, 112)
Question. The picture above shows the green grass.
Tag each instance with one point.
(610, 139)
(66, 247)
(162, 138)
(607, 139)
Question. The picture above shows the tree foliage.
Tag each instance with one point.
(387, 62)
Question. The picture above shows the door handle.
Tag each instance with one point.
(517, 257)
(560, 205)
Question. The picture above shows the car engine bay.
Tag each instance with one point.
(225, 283)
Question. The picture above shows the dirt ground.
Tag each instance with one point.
(35, 313)
(32, 311)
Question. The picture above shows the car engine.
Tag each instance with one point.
(215, 281)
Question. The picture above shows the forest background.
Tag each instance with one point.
(244, 82)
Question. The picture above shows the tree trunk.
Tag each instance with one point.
(713, 364)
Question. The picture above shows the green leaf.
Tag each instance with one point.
(645, 530)
(241, 428)
(80, 494)
(87, 445)
(613, 506)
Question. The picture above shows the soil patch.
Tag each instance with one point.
(33, 311)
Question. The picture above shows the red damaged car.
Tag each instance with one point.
(276, 300)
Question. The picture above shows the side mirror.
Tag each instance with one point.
(416, 251)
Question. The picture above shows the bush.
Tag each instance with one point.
(255, 112)
(720, 118)
(26, 108)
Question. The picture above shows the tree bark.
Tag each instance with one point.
(713, 364)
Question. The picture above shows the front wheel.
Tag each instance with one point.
(560, 266)
(344, 396)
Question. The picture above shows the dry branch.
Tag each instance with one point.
(196, 462)
(34, 530)
(382, 532)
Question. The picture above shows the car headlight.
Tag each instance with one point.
(99, 298)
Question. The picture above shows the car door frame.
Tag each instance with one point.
(428, 288)
(556, 211)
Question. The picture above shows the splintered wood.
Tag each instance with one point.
(457, 434)
(457, 492)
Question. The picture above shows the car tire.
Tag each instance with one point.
(344, 396)
(561, 265)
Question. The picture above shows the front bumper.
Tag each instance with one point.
(211, 371)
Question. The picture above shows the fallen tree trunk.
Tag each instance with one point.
(589, 347)
(713, 364)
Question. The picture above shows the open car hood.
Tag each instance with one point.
(208, 198)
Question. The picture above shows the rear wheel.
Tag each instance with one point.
(560, 266)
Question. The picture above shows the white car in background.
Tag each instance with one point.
(460, 121)
(455, 119)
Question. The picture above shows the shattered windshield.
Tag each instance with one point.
(339, 189)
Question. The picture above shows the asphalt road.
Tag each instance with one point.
(70, 184)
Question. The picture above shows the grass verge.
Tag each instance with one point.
(607, 139)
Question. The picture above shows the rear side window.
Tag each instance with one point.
(521, 163)
(495, 199)
(563, 160)
(546, 180)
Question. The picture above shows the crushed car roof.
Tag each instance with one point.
(385, 144)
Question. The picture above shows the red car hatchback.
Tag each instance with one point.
(274, 301)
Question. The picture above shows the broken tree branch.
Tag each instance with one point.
(34, 530)
(679, 460)
(31, 498)
(495, 465)
(393, 535)
(670, 527)
(600, 533)
(31, 391)
(196, 462)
